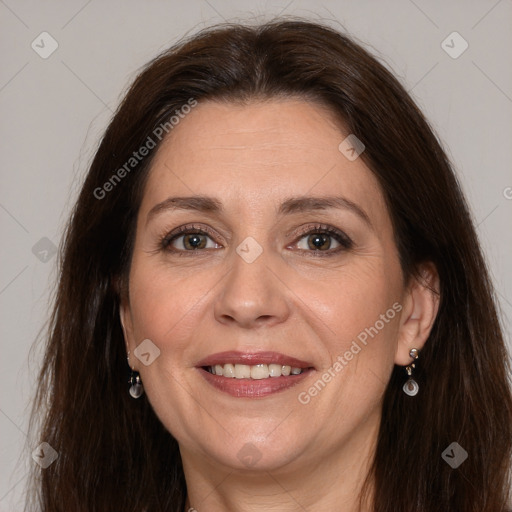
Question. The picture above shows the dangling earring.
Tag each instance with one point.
(136, 388)
(411, 387)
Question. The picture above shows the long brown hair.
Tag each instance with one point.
(114, 454)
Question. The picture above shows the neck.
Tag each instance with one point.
(333, 481)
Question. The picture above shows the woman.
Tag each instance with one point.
(272, 297)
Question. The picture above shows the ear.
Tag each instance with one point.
(421, 304)
(125, 316)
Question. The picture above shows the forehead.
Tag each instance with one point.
(258, 154)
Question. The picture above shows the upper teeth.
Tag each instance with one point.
(257, 371)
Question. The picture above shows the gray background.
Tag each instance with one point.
(54, 111)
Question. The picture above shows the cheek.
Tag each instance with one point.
(167, 309)
(360, 305)
(167, 305)
(362, 311)
(353, 300)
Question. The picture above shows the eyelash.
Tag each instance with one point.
(345, 241)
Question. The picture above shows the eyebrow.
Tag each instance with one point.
(292, 205)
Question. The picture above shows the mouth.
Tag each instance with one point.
(254, 375)
(254, 372)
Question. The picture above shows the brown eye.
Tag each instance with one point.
(323, 240)
(319, 241)
(189, 239)
(192, 242)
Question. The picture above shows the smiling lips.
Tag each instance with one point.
(255, 372)
(256, 375)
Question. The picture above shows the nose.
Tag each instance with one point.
(252, 295)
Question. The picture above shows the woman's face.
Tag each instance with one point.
(261, 247)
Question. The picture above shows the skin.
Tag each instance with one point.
(251, 158)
